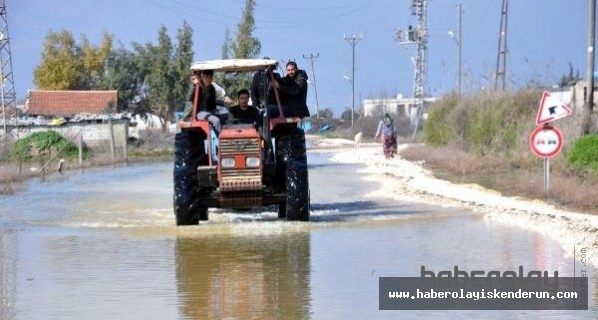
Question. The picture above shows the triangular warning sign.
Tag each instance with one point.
(551, 108)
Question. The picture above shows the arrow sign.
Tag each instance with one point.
(551, 108)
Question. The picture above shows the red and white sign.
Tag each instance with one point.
(552, 107)
(546, 141)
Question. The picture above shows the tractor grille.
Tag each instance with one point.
(239, 146)
(236, 179)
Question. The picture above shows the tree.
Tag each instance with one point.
(160, 79)
(148, 78)
(93, 59)
(326, 114)
(571, 78)
(66, 65)
(61, 66)
(245, 46)
(183, 57)
(228, 46)
(226, 52)
(346, 116)
(144, 62)
(122, 73)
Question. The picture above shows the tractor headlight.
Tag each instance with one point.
(227, 163)
(252, 162)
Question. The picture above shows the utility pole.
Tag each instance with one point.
(312, 57)
(353, 41)
(7, 87)
(460, 43)
(590, 66)
(417, 36)
(501, 58)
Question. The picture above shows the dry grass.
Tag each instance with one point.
(516, 176)
(11, 181)
(152, 143)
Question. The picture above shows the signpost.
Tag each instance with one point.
(546, 141)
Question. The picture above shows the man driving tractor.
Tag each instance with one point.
(243, 112)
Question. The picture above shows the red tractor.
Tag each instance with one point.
(248, 166)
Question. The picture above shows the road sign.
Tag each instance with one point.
(551, 108)
(546, 141)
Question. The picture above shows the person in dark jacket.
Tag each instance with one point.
(261, 91)
(243, 112)
(207, 104)
(293, 89)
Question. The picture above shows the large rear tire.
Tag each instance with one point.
(292, 152)
(188, 154)
(282, 210)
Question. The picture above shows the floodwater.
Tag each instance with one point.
(102, 245)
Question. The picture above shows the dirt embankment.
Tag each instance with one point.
(406, 180)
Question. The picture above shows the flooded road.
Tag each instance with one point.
(103, 245)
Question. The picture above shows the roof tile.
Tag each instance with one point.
(69, 103)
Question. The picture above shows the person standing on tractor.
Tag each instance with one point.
(386, 127)
(293, 89)
(262, 94)
(243, 112)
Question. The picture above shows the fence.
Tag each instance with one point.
(102, 137)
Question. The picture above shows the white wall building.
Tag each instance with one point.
(398, 106)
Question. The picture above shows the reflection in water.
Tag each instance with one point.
(8, 261)
(263, 277)
(103, 246)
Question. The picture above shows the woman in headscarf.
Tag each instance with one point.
(386, 128)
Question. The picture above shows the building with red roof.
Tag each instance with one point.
(49, 103)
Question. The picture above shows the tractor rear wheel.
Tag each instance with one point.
(282, 210)
(292, 152)
(188, 154)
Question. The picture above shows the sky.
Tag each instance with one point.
(544, 37)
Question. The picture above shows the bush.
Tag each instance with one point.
(43, 145)
(584, 153)
(484, 129)
(487, 122)
(437, 130)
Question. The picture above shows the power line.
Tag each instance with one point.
(220, 18)
(306, 8)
